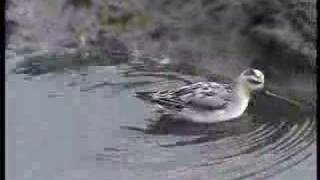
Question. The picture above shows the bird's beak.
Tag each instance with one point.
(271, 94)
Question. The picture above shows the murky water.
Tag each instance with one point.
(64, 121)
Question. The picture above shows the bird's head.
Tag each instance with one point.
(251, 79)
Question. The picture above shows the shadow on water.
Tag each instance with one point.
(272, 126)
(270, 138)
(261, 112)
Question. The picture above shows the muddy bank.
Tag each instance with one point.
(219, 37)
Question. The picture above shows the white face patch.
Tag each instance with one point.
(252, 79)
(259, 74)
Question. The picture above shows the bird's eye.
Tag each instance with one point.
(254, 81)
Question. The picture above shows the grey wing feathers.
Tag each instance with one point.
(201, 96)
(167, 102)
(208, 103)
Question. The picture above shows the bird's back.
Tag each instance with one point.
(200, 96)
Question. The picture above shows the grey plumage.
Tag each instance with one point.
(208, 101)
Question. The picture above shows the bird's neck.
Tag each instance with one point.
(241, 96)
(241, 89)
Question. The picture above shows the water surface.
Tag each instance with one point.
(65, 110)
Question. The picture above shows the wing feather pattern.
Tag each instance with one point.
(200, 96)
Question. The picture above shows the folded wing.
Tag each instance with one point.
(198, 96)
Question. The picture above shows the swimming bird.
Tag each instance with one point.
(208, 102)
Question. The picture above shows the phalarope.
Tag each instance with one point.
(208, 102)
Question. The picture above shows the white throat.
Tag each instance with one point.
(240, 98)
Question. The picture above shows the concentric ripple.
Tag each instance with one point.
(259, 147)
(272, 137)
